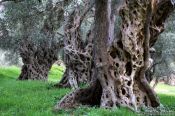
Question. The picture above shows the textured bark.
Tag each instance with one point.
(38, 58)
(120, 67)
(77, 54)
(78, 65)
(85, 71)
(149, 74)
(161, 12)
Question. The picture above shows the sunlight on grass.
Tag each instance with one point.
(56, 73)
(165, 89)
(167, 95)
(9, 72)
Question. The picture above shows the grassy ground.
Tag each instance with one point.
(35, 98)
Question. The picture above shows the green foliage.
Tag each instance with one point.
(23, 18)
(37, 98)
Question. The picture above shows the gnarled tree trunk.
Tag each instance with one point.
(38, 58)
(79, 62)
(77, 54)
(120, 67)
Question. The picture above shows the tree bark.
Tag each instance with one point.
(39, 57)
(85, 74)
(37, 60)
(77, 54)
(120, 67)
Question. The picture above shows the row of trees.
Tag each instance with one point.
(106, 45)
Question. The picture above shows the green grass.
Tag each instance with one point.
(36, 98)
(56, 73)
(167, 95)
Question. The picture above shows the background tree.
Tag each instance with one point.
(35, 31)
(164, 55)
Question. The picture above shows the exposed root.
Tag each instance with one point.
(89, 96)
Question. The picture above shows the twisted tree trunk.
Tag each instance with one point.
(78, 58)
(120, 67)
(78, 64)
(38, 58)
(77, 54)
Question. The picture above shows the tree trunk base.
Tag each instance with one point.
(32, 72)
(37, 59)
(64, 83)
(89, 96)
(95, 95)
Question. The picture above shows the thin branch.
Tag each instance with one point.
(62, 35)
